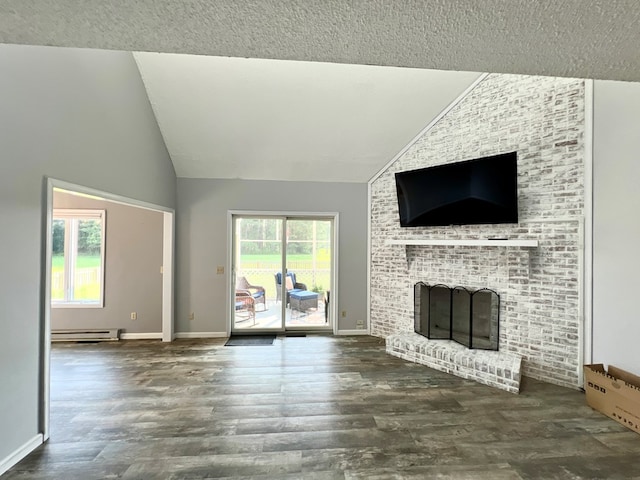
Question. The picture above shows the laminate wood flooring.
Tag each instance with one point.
(316, 407)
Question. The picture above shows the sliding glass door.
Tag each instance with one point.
(257, 256)
(281, 273)
(308, 260)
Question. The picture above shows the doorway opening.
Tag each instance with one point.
(283, 272)
(165, 270)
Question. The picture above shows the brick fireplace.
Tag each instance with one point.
(539, 286)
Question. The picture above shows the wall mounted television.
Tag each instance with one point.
(479, 191)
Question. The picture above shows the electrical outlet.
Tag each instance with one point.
(192, 316)
(220, 270)
(134, 316)
(344, 314)
(360, 323)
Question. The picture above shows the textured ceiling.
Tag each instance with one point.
(579, 38)
(283, 120)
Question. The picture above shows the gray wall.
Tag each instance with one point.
(616, 223)
(78, 115)
(202, 241)
(133, 282)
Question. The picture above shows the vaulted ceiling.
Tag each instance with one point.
(339, 120)
(283, 120)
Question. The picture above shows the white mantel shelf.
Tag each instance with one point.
(467, 243)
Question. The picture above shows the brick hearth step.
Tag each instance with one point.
(496, 369)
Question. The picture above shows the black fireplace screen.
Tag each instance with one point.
(470, 317)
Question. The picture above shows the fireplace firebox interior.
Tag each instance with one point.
(469, 317)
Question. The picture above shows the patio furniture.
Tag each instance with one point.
(290, 283)
(327, 299)
(303, 300)
(256, 291)
(245, 306)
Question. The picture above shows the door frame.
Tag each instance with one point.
(333, 304)
(168, 242)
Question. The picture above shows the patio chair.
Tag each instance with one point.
(256, 291)
(291, 284)
(245, 306)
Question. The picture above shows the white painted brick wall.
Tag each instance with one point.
(542, 119)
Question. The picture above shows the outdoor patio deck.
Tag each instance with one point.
(293, 318)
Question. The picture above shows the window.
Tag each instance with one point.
(77, 258)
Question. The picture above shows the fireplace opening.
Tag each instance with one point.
(469, 317)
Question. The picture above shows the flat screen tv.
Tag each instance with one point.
(479, 191)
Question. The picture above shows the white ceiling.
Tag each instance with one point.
(277, 119)
(284, 120)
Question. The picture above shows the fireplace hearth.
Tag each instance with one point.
(468, 317)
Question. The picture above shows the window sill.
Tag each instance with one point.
(77, 305)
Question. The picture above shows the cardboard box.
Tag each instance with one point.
(615, 393)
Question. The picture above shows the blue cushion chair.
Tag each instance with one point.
(292, 285)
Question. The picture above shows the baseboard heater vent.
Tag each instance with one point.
(86, 335)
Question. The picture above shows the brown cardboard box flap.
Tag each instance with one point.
(628, 378)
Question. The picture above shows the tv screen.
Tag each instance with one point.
(479, 191)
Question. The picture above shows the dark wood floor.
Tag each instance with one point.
(308, 408)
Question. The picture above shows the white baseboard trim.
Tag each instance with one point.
(20, 453)
(361, 331)
(141, 336)
(202, 335)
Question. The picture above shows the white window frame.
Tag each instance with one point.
(70, 254)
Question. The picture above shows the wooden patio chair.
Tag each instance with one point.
(245, 306)
(255, 291)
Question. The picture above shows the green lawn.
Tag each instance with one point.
(82, 292)
(57, 262)
(259, 269)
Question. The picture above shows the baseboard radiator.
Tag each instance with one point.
(86, 335)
